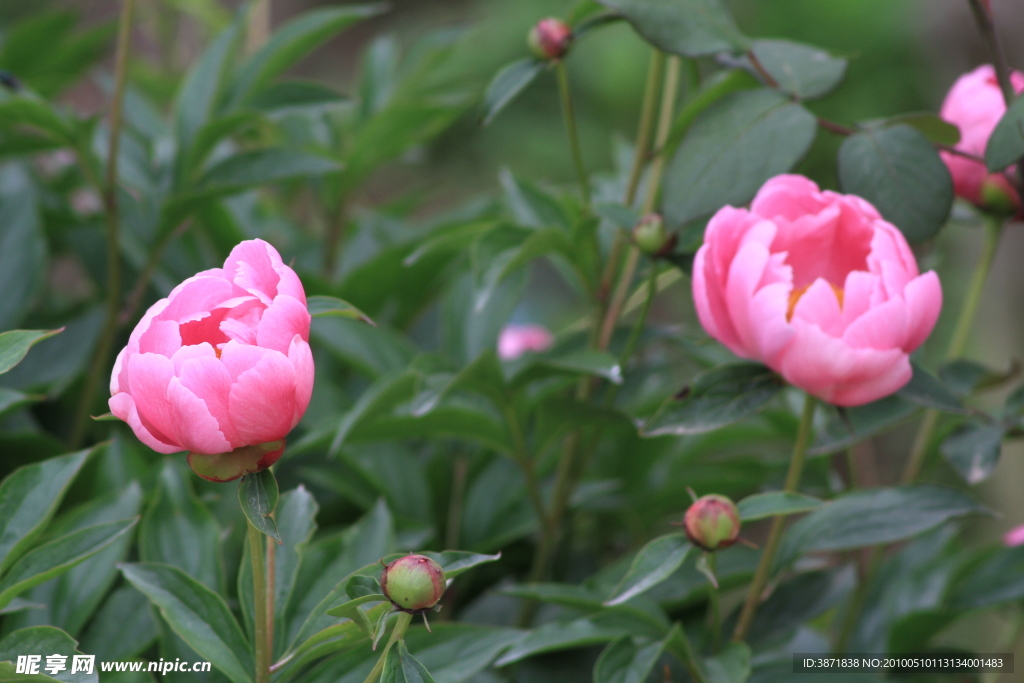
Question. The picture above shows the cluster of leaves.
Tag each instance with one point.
(418, 435)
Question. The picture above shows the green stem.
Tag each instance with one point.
(569, 114)
(764, 567)
(669, 93)
(404, 618)
(983, 15)
(259, 597)
(641, 318)
(958, 342)
(714, 610)
(645, 130)
(680, 647)
(109, 193)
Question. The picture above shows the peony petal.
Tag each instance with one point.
(115, 375)
(767, 313)
(150, 374)
(250, 265)
(923, 296)
(301, 358)
(238, 358)
(198, 430)
(186, 353)
(709, 301)
(210, 381)
(162, 337)
(830, 369)
(820, 305)
(196, 297)
(744, 275)
(123, 406)
(787, 196)
(262, 401)
(882, 327)
(285, 318)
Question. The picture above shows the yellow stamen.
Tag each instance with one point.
(795, 295)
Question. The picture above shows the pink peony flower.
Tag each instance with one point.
(817, 286)
(1014, 537)
(515, 340)
(221, 367)
(974, 105)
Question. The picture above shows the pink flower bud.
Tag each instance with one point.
(817, 286)
(712, 522)
(974, 105)
(1014, 537)
(221, 367)
(413, 583)
(515, 340)
(550, 39)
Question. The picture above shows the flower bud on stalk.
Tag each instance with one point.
(413, 583)
(712, 522)
(550, 39)
(997, 197)
(650, 235)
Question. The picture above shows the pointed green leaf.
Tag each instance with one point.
(803, 71)
(14, 345)
(258, 496)
(655, 562)
(28, 498)
(691, 28)
(197, 615)
(628, 660)
(732, 665)
(56, 557)
(332, 306)
(506, 85)
(925, 389)
(775, 503)
(973, 450)
(1006, 144)
(41, 640)
(401, 667)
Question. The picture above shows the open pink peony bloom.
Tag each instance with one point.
(817, 286)
(1014, 537)
(974, 105)
(515, 340)
(221, 364)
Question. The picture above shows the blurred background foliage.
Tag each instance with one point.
(418, 162)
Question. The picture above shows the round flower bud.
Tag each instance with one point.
(712, 522)
(550, 39)
(650, 235)
(997, 196)
(413, 583)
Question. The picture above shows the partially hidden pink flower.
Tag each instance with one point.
(974, 105)
(515, 340)
(818, 287)
(1014, 537)
(221, 367)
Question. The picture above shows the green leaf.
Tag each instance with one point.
(965, 377)
(262, 167)
(179, 530)
(506, 85)
(584, 362)
(123, 627)
(848, 426)
(56, 557)
(654, 563)
(291, 95)
(456, 562)
(296, 523)
(873, 517)
(691, 28)
(715, 398)
(380, 628)
(929, 124)
(28, 498)
(973, 450)
(12, 400)
(41, 640)
(775, 503)
(201, 88)
(803, 71)
(197, 615)
(401, 667)
(926, 390)
(380, 398)
(14, 345)
(458, 652)
(732, 665)
(628, 660)
(1006, 144)
(733, 147)
(361, 586)
(320, 306)
(555, 636)
(898, 170)
(23, 256)
(72, 597)
(257, 493)
(28, 110)
(290, 43)
(995, 578)
(531, 206)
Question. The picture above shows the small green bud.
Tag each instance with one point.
(997, 197)
(650, 235)
(549, 39)
(712, 522)
(413, 583)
